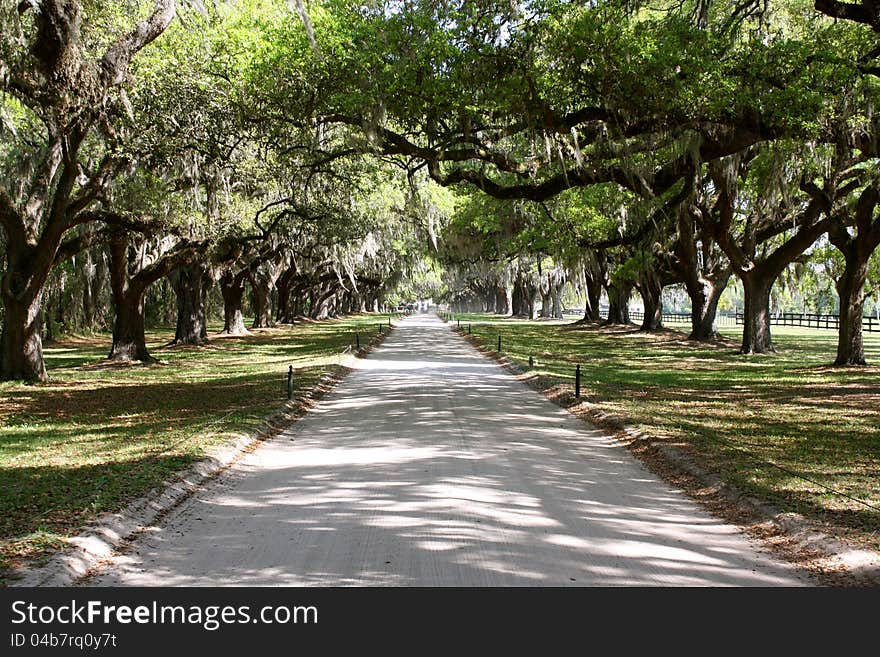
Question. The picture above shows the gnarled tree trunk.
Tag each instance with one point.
(857, 250)
(21, 290)
(651, 290)
(704, 284)
(129, 292)
(191, 287)
(21, 347)
(499, 307)
(546, 303)
(299, 302)
(592, 313)
(556, 310)
(261, 291)
(851, 290)
(704, 294)
(284, 285)
(618, 303)
(756, 316)
(232, 290)
(595, 275)
(129, 340)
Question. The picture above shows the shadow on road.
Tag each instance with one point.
(431, 466)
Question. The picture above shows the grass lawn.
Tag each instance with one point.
(97, 435)
(786, 428)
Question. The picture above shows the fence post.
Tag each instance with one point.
(469, 329)
(380, 329)
(389, 321)
(290, 382)
(499, 344)
(357, 340)
(459, 323)
(577, 381)
(531, 361)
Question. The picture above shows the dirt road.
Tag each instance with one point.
(432, 466)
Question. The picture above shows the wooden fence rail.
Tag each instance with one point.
(817, 321)
(804, 320)
(676, 318)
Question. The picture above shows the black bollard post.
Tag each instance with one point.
(531, 361)
(380, 329)
(469, 329)
(459, 323)
(357, 341)
(290, 382)
(577, 381)
(499, 344)
(389, 322)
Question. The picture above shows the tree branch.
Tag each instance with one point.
(847, 11)
(182, 253)
(115, 62)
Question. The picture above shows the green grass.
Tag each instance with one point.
(98, 435)
(786, 428)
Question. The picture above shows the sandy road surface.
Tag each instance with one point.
(432, 466)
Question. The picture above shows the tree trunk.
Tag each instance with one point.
(48, 321)
(232, 290)
(89, 302)
(651, 290)
(530, 295)
(756, 316)
(517, 301)
(21, 349)
(129, 342)
(595, 274)
(523, 303)
(309, 306)
(704, 294)
(618, 303)
(190, 287)
(284, 286)
(322, 303)
(705, 278)
(298, 304)
(282, 312)
(592, 313)
(261, 290)
(22, 288)
(94, 317)
(546, 304)
(557, 302)
(500, 303)
(851, 290)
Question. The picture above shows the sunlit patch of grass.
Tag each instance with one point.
(96, 436)
(785, 428)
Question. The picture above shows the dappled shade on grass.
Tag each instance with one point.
(100, 434)
(786, 428)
